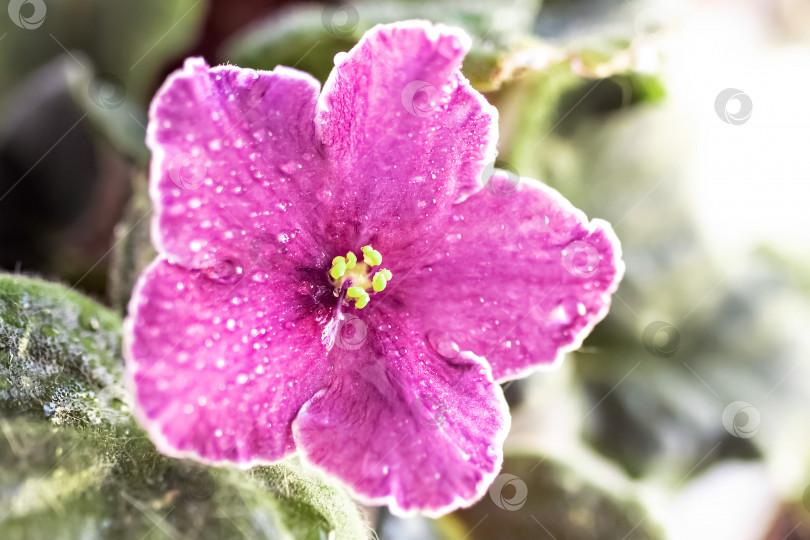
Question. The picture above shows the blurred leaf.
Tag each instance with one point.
(308, 37)
(109, 107)
(540, 498)
(44, 141)
(73, 462)
(504, 48)
(133, 245)
(728, 332)
(130, 40)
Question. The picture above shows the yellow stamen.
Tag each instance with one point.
(358, 275)
(380, 279)
(338, 267)
(351, 260)
(371, 256)
(355, 292)
(361, 302)
(360, 296)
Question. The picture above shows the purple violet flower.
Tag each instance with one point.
(333, 279)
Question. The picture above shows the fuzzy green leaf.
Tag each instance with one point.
(74, 463)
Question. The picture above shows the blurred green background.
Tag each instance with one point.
(684, 415)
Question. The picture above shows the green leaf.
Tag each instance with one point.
(60, 354)
(308, 37)
(132, 40)
(74, 463)
(504, 46)
(659, 393)
(133, 245)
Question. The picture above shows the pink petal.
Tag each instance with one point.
(518, 280)
(406, 134)
(220, 368)
(234, 165)
(401, 425)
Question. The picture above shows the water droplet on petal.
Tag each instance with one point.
(224, 271)
(268, 251)
(443, 344)
(290, 167)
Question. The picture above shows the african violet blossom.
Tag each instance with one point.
(333, 279)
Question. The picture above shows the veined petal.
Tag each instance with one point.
(401, 425)
(219, 369)
(518, 280)
(406, 135)
(234, 165)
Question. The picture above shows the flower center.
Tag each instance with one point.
(359, 277)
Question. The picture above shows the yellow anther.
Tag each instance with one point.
(338, 267)
(351, 260)
(358, 276)
(381, 279)
(361, 302)
(371, 256)
(355, 292)
(360, 296)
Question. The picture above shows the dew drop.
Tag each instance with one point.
(443, 344)
(268, 251)
(289, 167)
(225, 271)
